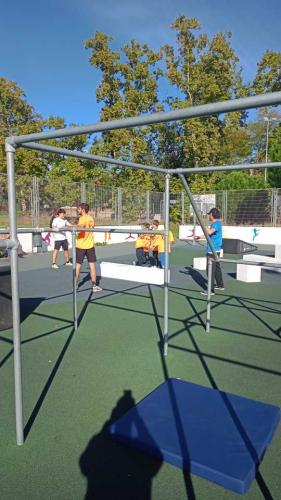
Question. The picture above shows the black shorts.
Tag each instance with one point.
(61, 243)
(89, 252)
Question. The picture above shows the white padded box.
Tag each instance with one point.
(200, 263)
(150, 275)
(264, 258)
(278, 252)
(248, 274)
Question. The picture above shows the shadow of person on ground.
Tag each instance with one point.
(196, 276)
(113, 470)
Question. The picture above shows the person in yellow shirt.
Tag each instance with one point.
(85, 245)
(160, 243)
(142, 247)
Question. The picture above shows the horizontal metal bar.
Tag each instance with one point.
(9, 244)
(88, 156)
(112, 161)
(166, 116)
(223, 168)
(75, 229)
(251, 263)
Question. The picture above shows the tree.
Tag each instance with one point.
(240, 180)
(204, 70)
(18, 117)
(268, 77)
(274, 175)
(128, 88)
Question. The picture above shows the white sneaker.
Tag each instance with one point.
(206, 293)
(97, 288)
(218, 287)
(55, 266)
(68, 263)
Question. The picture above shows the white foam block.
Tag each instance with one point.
(278, 252)
(264, 258)
(200, 263)
(151, 275)
(248, 274)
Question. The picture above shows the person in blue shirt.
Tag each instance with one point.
(215, 232)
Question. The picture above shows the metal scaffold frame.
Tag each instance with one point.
(30, 141)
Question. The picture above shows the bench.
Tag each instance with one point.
(140, 274)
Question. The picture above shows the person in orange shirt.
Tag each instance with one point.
(85, 245)
(142, 247)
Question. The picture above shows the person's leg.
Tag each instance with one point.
(79, 260)
(93, 272)
(140, 257)
(91, 256)
(78, 267)
(218, 275)
(55, 254)
(66, 253)
(155, 256)
(66, 256)
(161, 257)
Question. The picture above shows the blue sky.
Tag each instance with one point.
(41, 43)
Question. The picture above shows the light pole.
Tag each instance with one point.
(267, 119)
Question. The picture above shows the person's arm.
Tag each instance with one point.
(213, 228)
(91, 223)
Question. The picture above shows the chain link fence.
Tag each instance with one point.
(38, 198)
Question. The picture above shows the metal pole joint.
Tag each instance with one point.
(10, 146)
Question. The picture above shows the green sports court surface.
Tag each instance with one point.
(76, 383)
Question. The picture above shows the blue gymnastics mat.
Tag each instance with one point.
(213, 434)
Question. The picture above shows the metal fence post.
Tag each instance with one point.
(83, 192)
(147, 205)
(224, 206)
(274, 206)
(119, 206)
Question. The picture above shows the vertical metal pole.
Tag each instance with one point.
(194, 227)
(224, 205)
(75, 316)
(182, 208)
(119, 206)
(32, 204)
(83, 192)
(147, 206)
(37, 202)
(166, 268)
(10, 151)
(266, 147)
(275, 205)
(208, 316)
